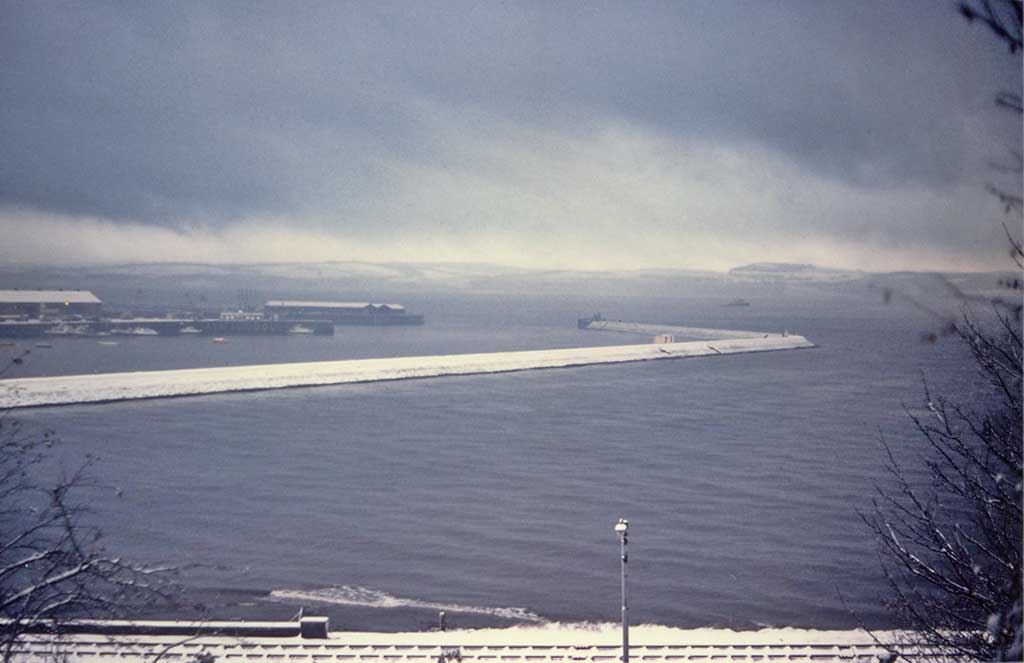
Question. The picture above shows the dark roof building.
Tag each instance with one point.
(366, 313)
(55, 303)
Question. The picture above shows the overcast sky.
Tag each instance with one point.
(551, 134)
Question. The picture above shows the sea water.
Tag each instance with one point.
(493, 497)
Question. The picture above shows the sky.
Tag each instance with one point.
(576, 135)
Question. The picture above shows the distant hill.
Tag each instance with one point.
(774, 267)
(793, 272)
(195, 284)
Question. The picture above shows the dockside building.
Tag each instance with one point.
(365, 313)
(49, 303)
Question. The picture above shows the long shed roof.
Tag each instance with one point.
(48, 297)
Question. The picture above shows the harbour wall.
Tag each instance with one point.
(98, 388)
(163, 327)
(694, 333)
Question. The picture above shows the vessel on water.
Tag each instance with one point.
(739, 301)
(162, 327)
(66, 330)
(300, 329)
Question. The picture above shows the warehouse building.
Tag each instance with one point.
(49, 303)
(341, 312)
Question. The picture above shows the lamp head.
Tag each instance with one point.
(622, 526)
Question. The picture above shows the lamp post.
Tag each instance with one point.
(622, 529)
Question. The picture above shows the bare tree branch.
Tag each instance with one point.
(52, 568)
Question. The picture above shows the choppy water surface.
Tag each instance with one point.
(493, 497)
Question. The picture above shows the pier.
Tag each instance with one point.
(98, 388)
(597, 323)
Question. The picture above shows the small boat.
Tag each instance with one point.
(66, 330)
(143, 331)
(219, 339)
(44, 345)
(739, 301)
(107, 342)
(7, 344)
(300, 329)
(189, 329)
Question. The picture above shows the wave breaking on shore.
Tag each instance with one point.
(372, 598)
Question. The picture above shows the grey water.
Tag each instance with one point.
(494, 496)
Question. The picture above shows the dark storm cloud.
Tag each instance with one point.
(213, 112)
(866, 91)
(164, 111)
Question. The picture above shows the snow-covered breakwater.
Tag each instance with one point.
(62, 390)
(696, 333)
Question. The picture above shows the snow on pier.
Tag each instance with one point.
(696, 333)
(61, 390)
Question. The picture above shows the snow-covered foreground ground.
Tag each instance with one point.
(60, 390)
(550, 643)
(610, 635)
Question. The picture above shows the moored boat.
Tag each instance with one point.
(66, 330)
